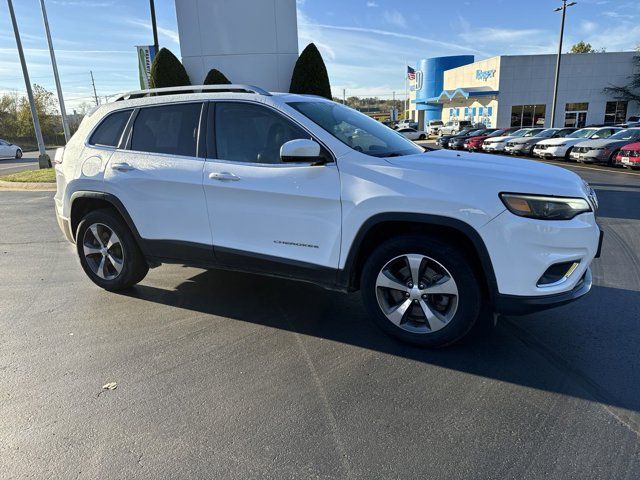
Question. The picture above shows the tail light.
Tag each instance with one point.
(57, 159)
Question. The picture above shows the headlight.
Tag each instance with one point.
(544, 208)
(559, 145)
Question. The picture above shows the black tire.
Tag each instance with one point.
(612, 159)
(18, 153)
(134, 265)
(422, 137)
(469, 300)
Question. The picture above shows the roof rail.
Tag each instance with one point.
(237, 88)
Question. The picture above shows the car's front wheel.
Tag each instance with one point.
(18, 153)
(421, 290)
(108, 252)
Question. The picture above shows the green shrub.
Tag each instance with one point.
(310, 74)
(167, 71)
(216, 77)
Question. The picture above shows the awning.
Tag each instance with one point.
(461, 93)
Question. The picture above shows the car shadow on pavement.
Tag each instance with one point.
(512, 352)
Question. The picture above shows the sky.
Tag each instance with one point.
(365, 43)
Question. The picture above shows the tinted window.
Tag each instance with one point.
(109, 131)
(252, 133)
(171, 129)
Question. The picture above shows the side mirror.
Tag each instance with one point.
(301, 151)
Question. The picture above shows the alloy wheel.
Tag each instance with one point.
(417, 293)
(103, 251)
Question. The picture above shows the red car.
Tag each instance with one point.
(475, 143)
(629, 156)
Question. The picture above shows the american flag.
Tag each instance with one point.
(411, 73)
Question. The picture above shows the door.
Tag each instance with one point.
(5, 149)
(262, 211)
(158, 178)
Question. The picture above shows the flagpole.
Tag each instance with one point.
(406, 90)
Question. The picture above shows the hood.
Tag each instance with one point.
(496, 173)
(603, 142)
(519, 140)
(631, 146)
(504, 138)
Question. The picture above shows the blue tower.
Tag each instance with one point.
(430, 83)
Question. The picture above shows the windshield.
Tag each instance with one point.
(547, 133)
(479, 131)
(356, 130)
(583, 133)
(497, 133)
(532, 132)
(631, 134)
(518, 133)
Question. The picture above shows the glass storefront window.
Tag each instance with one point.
(615, 112)
(527, 115)
(575, 114)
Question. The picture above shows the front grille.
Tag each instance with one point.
(540, 147)
(629, 153)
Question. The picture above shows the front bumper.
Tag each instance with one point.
(516, 149)
(521, 305)
(550, 152)
(493, 147)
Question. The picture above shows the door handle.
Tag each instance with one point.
(224, 177)
(122, 167)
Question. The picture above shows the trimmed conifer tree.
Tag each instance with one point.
(216, 77)
(310, 74)
(167, 71)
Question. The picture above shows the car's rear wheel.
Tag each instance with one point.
(18, 153)
(421, 290)
(108, 252)
(422, 137)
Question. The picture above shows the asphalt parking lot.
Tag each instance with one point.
(226, 375)
(28, 162)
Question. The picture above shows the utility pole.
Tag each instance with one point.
(344, 96)
(154, 27)
(555, 84)
(95, 95)
(63, 112)
(43, 159)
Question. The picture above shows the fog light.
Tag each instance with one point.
(557, 274)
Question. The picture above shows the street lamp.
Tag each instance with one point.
(563, 8)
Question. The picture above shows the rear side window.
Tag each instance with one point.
(109, 131)
(170, 129)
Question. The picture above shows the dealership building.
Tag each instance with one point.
(517, 90)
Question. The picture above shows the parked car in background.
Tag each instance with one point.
(524, 145)
(412, 133)
(561, 147)
(434, 127)
(457, 142)
(498, 144)
(629, 156)
(604, 150)
(443, 140)
(9, 150)
(406, 124)
(454, 126)
(475, 143)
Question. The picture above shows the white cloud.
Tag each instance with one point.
(167, 32)
(395, 18)
(372, 4)
(587, 26)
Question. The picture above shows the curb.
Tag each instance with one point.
(32, 186)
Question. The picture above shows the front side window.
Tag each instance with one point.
(110, 130)
(251, 133)
(169, 129)
(356, 130)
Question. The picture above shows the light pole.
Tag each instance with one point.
(154, 27)
(54, 64)
(43, 160)
(563, 8)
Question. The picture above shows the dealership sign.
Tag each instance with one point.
(485, 74)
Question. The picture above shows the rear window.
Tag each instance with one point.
(110, 130)
(170, 129)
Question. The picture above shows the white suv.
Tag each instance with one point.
(301, 187)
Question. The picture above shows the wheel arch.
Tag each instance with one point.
(83, 202)
(382, 226)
